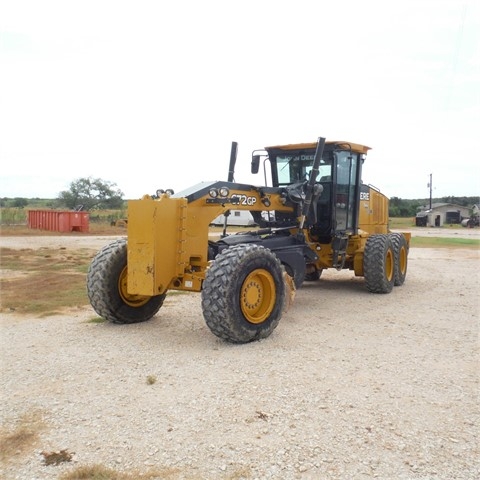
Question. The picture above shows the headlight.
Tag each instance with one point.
(224, 191)
(213, 192)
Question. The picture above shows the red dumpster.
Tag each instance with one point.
(58, 221)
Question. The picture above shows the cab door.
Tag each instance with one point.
(346, 191)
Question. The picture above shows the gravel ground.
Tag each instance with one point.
(350, 385)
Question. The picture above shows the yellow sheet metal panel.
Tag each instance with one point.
(380, 212)
(153, 251)
(373, 212)
(140, 247)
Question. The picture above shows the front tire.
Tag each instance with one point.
(107, 288)
(243, 294)
(379, 264)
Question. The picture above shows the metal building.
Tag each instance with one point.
(441, 214)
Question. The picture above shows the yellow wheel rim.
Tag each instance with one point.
(129, 299)
(257, 296)
(390, 264)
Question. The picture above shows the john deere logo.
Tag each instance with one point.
(365, 196)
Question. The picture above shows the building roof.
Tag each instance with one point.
(425, 208)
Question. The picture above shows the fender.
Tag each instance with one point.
(292, 252)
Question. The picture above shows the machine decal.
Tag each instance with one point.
(243, 200)
(365, 196)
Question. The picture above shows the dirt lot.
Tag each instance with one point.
(350, 385)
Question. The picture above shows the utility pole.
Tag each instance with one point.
(430, 185)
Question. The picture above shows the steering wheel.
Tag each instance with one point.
(296, 192)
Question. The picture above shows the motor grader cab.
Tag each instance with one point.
(344, 211)
(312, 213)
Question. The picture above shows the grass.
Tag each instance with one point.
(22, 437)
(96, 320)
(18, 216)
(43, 281)
(100, 472)
(403, 222)
(151, 379)
(439, 242)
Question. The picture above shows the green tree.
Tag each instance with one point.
(19, 202)
(91, 194)
(403, 208)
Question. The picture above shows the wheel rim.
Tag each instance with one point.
(390, 264)
(257, 296)
(129, 299)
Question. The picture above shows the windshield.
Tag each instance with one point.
(294, 168)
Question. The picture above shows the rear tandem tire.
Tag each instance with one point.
(400, 250)
(107, 288)
(243, 294)
(379, 264)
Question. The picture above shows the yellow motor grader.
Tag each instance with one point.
(312, 213)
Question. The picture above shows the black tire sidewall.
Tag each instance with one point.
(399, 243)
(375, 260)
(105, 296)
(234, 289)
(221, 299)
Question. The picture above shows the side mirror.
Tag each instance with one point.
(255, 163)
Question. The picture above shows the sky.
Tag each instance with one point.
(150, 94)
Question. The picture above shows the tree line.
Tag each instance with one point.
(85, 194)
